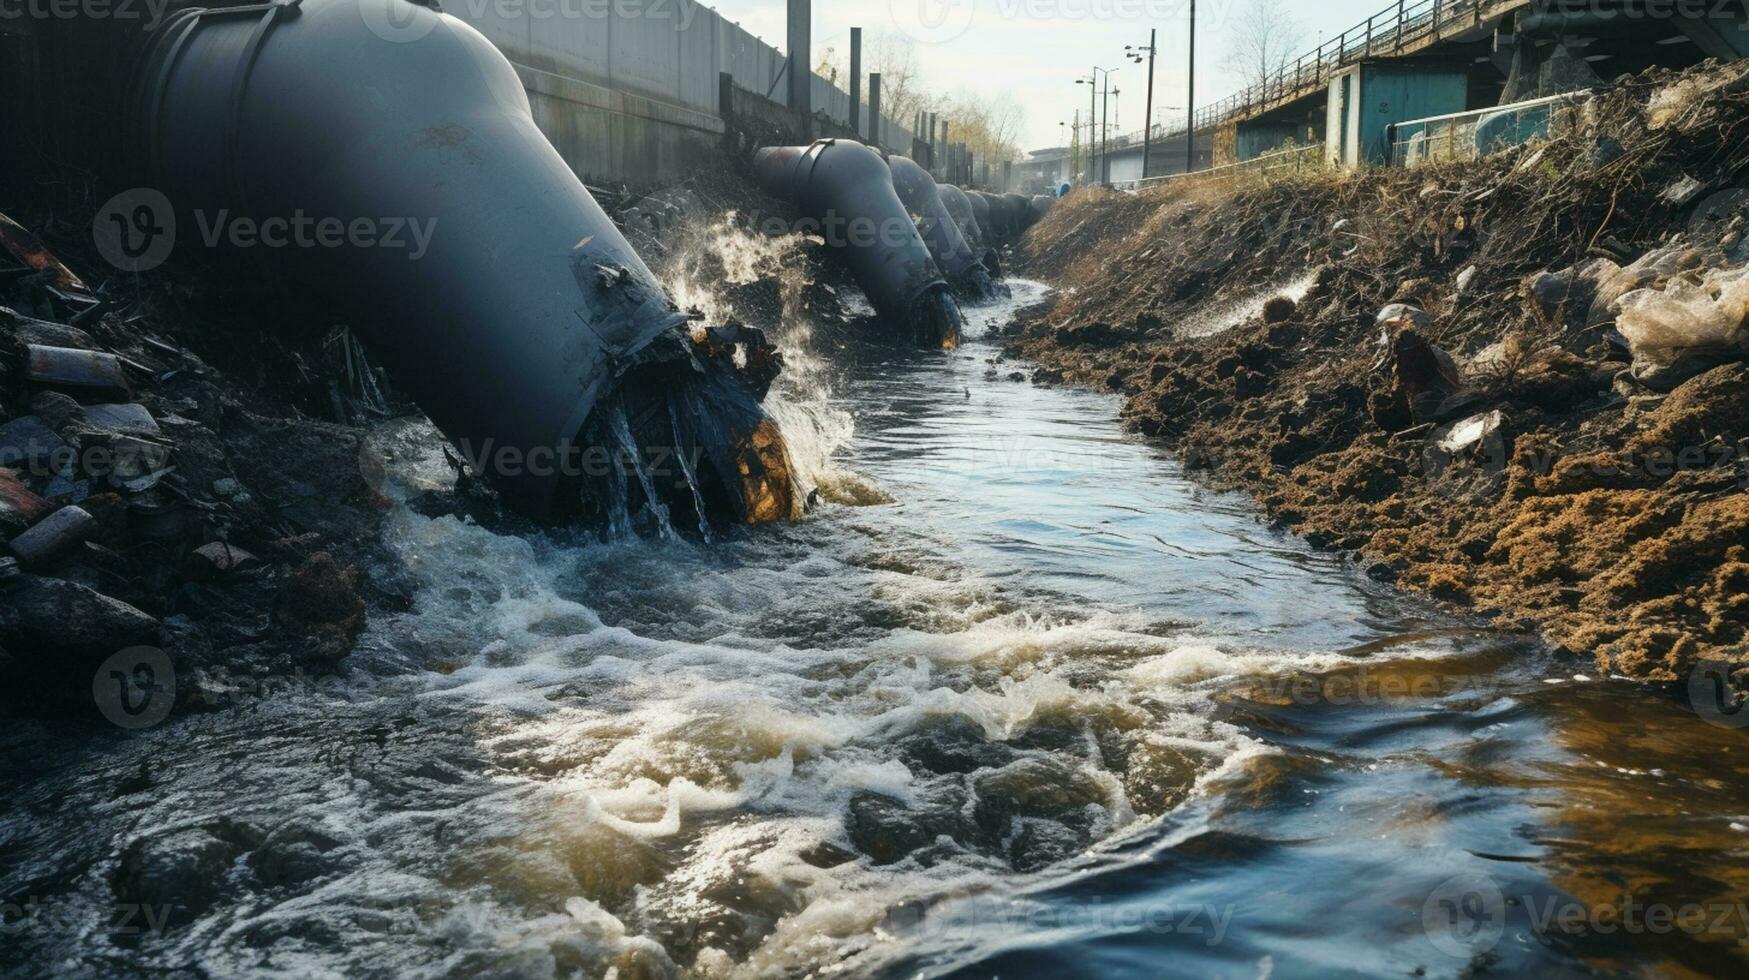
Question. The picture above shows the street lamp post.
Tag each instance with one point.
(1095, 152)
(1148, 115)
(1190, 99)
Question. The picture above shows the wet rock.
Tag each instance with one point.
(1045, 808)
(889, 830)
(53, 537)
(175, 875)
(320, 602)
(293, 855)
(955, 744)
(28, 443)
(43, 615)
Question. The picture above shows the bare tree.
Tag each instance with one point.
(1265, 38)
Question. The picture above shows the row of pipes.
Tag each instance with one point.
(529, 329)
(912, 245)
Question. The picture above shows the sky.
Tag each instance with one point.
(1033, 50)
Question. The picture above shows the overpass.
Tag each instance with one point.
(1416, 59)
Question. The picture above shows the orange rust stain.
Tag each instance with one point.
(765, 476)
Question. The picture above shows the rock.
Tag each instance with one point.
(1404, 315)
(57, 411)
(129, 419)
(1279, 310)
(320, 601)
(54, 536)
(92, 374)
(888, 830)
(221, 557)
(1549, 292)
(44, 333)
(29, 444)
(1422, 370)
(43, 615)
(176, 875)
(1466, 282)
(20, 508)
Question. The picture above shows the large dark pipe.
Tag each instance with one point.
(947, 244)
(527, 328)
(986, 218)
(1019, 213)
(960, 207)
(1001, 216)
(848, 189)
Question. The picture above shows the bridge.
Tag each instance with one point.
(1413, 60)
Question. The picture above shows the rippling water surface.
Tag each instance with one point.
(1017, 699)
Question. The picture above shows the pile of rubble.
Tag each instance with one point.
(1516, 383)
(146, 506)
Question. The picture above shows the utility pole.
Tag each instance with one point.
(1105, 132)
(856, 81)
(1148, 117)
(874, 109)
(801, 73)
(1190, 100)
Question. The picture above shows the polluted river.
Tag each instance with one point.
(1015, 698)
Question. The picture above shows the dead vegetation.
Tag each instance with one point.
(1492, 439)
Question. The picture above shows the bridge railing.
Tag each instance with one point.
(1391, 31)
(1290, 160)
(1468, 135)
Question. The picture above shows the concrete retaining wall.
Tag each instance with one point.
(627, 90)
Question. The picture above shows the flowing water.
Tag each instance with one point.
(1016, 699)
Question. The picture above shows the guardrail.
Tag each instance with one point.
(1292, 160)
(1390, 31)
(1477, 133)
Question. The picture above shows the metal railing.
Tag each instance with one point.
(1479, 132)
(1391, 31)
(1294, 159)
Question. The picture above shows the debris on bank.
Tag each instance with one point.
(150, 501)
(1517, 384)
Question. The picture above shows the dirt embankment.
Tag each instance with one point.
(1515, 384)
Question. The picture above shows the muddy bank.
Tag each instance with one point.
(1514, 384)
